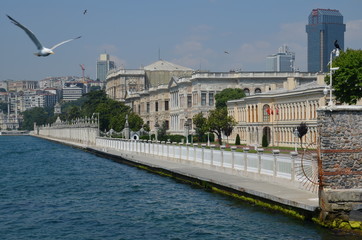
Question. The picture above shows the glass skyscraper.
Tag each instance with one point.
(324, 27)
(103, 66)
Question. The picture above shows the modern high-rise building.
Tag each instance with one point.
(103, 66)
(283, 61)
(324, 27)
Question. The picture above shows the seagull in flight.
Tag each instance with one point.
(226, 52)
(85, 11)
(42, 51)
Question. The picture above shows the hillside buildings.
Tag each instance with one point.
(324, 27)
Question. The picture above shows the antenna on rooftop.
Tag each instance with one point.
(159, 54)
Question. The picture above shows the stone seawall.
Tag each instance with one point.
(340, 166)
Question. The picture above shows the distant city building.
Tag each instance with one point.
(324, 27)
(283, 61)
(103, 66)
(73, 91)
(16, 86)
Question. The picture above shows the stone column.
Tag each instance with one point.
(340, 166)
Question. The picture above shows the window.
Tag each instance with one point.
(267, 111)
(166, 105)
(211, 99)
(203, 98)
(189, 101)
(148, 107)
(167, 123)
(139, 109)
(257, 90)
(156, 106)
(247, 91)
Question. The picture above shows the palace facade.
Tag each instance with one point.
(175, 94)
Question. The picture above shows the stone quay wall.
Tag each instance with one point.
(83, 131)
(340, 165)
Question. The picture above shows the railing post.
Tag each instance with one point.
(275, 164)
(203, 152)
(195, 145)
(233, 149)
(168, 148)
(245, 151)
(293, 156)
(180, 150)
(212, 146)
(222, 147)
(187, 151)
(260, 152)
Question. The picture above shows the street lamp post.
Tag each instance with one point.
(98, 135)
(186, 125)
(296, 134)
(331, 70)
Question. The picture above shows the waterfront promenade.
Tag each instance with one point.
(282, 197)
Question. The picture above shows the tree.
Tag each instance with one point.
(218, 120)
(37, 115)
(228, 94)
(161, 133)
(227, 130)
(347, 80)
(237, 140)
(264, 142)
(200, 123)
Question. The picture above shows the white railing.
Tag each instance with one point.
(258, 165)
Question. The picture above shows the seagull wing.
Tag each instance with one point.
(28, 32)
(57, 45)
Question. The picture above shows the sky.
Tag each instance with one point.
(136, 33)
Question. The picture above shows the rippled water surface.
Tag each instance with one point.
(52, 191)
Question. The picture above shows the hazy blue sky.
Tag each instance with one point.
(192, 33)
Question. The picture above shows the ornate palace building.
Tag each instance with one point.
(277, 113)
(166, 92)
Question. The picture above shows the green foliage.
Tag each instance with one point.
(237, 140)
(265, 141)
(36, 114)
(218, 120)
(161, 133)
(201, 127)
(347, 80)
(228, 94)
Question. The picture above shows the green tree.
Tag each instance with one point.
(237, 140)
(347, 80)
(37, 115)
(162, 132)
(227, 130)
(200, 123)
(218, 120)
(264, 142)
(228, 94)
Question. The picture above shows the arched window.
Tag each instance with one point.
(266, 113)
(247, 91)
(257, 90)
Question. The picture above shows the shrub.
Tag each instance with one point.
(237, 140)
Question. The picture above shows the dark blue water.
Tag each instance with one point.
(52, 191)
